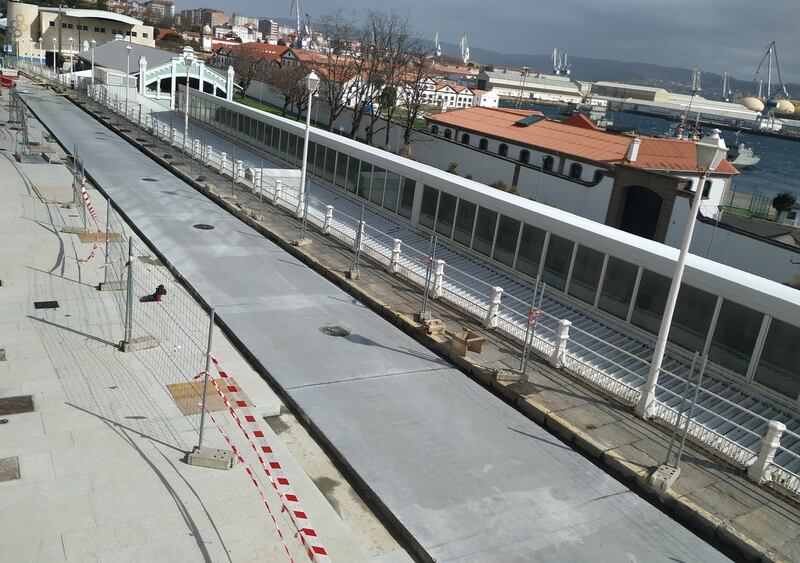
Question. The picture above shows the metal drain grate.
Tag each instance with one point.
(16, 405)
(203, 226)
(334, 330)
(45, 304)
(9, 469)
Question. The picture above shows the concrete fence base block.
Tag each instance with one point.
(211, 458)
(434, 326)
(138, 344)
(352, 274)
(112, 286)
(664, 477)
(302, 242)
(508, 375)
(258, 216)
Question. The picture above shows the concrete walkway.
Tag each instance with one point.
(466, 476)
(94, 471)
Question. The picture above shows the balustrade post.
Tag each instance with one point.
(559, 351)
(438, 279)
(326, 226)
(277, 195)
(759, 471)
(207, 156)
(494, 308)
(223, 160)
(394, 264)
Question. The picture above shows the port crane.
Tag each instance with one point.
(772, 52)
(303, 25)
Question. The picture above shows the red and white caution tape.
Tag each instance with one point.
(248, 423)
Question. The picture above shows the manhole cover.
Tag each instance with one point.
(203, 227)
(45, 304)
(334, 330)
(149, 180)
(16, 405)
(9, 469)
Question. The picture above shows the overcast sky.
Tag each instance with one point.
(715, 34)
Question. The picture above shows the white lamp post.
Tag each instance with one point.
(128, 50)
(71, 62)
(94, 44)
(188, 59)
(41, 50)
(312, 82)
(55, 57)
(710, 152)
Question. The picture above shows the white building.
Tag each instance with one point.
(39, 32)
(447, 95)
(244, 19)
(247, 33)
(528, 85)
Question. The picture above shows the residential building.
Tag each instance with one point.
(448, 95)
(270, 54)
(269, 30)
(212, 17)
(44, 31)
(159, 10)
(243, 19)
(530, 85)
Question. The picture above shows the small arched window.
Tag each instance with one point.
(448, 133)
(548, 162)
(598, 175)
(525, 156)
(483, 144)
(435, 129)
(706, 189)
(502, 150)
(575, 171)
(465, 138)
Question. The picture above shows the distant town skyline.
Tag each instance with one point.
(714, 34)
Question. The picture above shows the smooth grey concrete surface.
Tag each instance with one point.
(465, 474)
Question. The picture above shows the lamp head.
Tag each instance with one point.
(93, 42)
(128, 49)
(312, 82)
(710, 150)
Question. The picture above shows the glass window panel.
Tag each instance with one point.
(484, 231)
(352, 174)
(650, 301)
(506, 245)
(276, 140)
(586, 274)
(779, 367)
(615, 298)
(378, 182)
(284, 143)
(556, 262)
(364, 179)
(261, 128)
(330, 165)
(446, 214)
(427, 213)
(692, 318)
(530, 250)
(465, 220)
(735, 336)
(407, 198)
(291, 151)
(341, 170)
(317, 160)
(392, 191)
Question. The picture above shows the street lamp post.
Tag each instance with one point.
(71, 63)
(128, 50)
(710, 152)
(188, 59)
(55, 56)
(94, 44)
(312, 82)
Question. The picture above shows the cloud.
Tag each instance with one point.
(714, 34)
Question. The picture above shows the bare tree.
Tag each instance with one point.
(368, 69)
(248, 63)
(413, 91)
(400, 44)
(289, 81)
(336, 67)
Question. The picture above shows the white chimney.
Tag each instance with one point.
(633, 149)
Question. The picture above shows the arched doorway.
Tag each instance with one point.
(641, 211)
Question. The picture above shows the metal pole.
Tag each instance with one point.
(431, 258)
(108, 223)
(205, 376)
(83, 187)
(680, 409)
(359, 234)
(261, 186)
(646, 405)
(233, 170)
(691, 409)
(523, 362)
(304, 167)
(129, 297)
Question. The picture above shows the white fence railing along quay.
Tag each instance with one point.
(619, 367)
